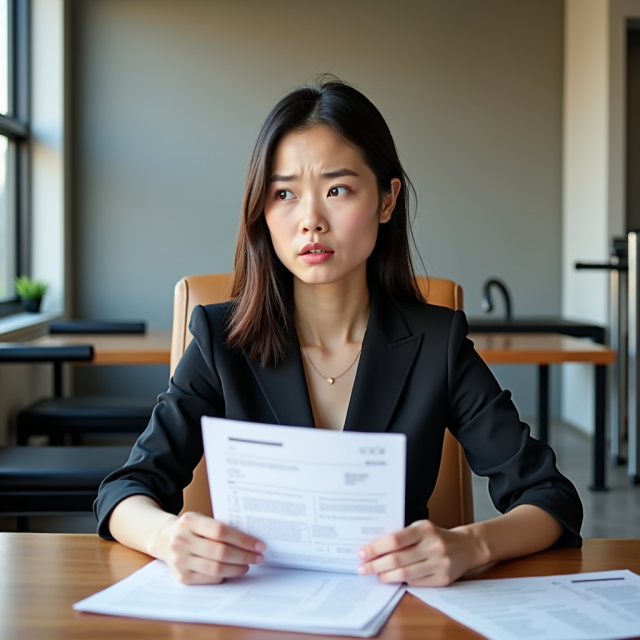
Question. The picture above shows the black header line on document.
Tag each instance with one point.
(272, 444)
(598, 580)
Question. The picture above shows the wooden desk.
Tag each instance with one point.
(153, 347)
(544, 349)
(44, 574)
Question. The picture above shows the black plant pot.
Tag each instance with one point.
(31, 305)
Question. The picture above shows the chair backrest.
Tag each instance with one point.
(450, 504)
(189, 293)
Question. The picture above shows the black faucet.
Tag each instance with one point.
(487, 302)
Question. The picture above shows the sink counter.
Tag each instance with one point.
(540, 324)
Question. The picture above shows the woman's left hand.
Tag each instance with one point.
(422, 555)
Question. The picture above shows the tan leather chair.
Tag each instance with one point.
(451, 503)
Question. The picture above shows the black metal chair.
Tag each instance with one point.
(79, 416)
(82, 416)
(54, 480)
(46, 480)
(16, 352)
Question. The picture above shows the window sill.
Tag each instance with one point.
(25, 326)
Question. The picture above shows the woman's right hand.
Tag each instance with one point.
(201, 550)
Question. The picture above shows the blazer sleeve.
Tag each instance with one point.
(521, 469)
(162, 460)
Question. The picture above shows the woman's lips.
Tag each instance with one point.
(315, 253)
(316, 258)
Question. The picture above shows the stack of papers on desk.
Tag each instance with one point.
(314, 497)
(282, 599)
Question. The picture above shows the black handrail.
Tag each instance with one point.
(98, 326)
(600, 266)
(19, 352)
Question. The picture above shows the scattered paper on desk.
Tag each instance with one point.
(313, 496)
(283, 599)
(585, 606)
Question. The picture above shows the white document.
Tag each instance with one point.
(585, 606)
(283, 599)
(313, 496)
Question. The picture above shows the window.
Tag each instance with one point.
(13, 148)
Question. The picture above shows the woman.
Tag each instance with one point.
(327, 328)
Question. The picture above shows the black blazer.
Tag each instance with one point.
(418, 374)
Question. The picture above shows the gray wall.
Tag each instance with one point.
(169, 95)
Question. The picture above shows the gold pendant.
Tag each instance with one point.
(330, 380)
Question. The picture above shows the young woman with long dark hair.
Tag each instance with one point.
(327, 328)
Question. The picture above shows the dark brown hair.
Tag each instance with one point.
(261, 319)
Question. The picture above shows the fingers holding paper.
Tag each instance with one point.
(202, 550)
(422, 554)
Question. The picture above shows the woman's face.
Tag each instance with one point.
(323, 206)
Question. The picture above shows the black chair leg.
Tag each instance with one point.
(543, 403)
(599, 436)
(22, 524)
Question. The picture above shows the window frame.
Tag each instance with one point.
(15, 126)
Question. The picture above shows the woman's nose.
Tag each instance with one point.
(313, 218)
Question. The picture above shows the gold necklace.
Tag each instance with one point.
(325, 378)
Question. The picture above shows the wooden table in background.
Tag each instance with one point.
(44, 574)
(153, 347)
(544, 349)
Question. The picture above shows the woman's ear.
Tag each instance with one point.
(389, 200)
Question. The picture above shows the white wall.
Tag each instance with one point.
(585, 230)
(170, 95)
(593, 171)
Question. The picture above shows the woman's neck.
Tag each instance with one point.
(332, 315)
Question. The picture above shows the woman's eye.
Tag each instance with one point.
(284, 194)
(337, 191)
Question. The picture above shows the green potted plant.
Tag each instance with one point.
(31, 292)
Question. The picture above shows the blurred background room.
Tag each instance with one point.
(125, 140)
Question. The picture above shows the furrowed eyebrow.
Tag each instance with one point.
(340, 173)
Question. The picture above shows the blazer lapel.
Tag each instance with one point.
(285, 388)
(389, 350)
